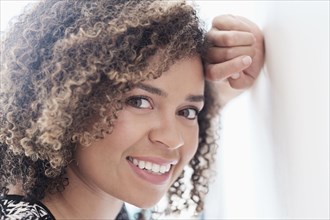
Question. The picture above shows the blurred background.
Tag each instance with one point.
(273, 159)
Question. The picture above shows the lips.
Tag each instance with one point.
(150, 166)
(153, 170)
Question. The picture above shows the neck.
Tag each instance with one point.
(80, 200)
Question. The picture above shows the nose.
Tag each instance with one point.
(167, 133)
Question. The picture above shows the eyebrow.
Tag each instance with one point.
(195, 98)
(152, 89)
(159, 92)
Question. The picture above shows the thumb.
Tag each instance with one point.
(222, 71)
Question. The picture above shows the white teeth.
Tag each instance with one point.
(155, 168)
(168, 167)
(142, 164)
(146, 165)
(162, 169)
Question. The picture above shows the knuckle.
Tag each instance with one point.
(232, 38)
(229, 53)
(222, 21)
(228, 39)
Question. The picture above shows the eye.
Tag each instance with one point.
(189, 113)
(139, 102)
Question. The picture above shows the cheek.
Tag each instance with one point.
(187, 151)
(127, 128)
(191, 145)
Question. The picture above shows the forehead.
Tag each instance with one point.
(185, 75)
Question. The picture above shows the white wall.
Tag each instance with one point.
(273, 160)
(298, 65)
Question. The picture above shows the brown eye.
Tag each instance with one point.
(189, 113)
(139, 102)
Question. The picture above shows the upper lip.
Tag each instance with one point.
(156, 160)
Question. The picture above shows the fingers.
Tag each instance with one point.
(222, 71)
(230, 22)
(228, 44)
(243, 82)
(230, 38)
(235, 41)
(222, 54)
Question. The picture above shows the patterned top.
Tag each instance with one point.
(14, 207)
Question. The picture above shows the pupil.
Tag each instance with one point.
(137, 102)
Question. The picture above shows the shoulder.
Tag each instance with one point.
(15, 207)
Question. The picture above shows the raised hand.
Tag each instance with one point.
(236, 56)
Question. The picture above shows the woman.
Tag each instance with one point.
(104, 102)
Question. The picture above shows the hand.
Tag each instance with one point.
(236, 56)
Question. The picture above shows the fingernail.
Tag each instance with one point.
(235, 76)
(247, 60)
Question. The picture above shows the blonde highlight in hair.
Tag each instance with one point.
(65, 67)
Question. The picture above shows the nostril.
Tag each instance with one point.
(166, 133)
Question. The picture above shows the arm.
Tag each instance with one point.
(236, 56)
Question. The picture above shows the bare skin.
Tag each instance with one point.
(158, 126)
(237, 56)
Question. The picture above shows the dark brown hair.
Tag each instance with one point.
(65, 62)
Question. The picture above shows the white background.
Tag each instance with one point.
(273, 161)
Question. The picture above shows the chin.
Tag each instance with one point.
(145, 203)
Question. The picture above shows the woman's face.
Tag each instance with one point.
(154, 137)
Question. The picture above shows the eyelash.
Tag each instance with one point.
(181, 113)
(132, 101)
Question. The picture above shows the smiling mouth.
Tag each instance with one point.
(149, 166)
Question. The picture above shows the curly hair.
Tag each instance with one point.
(66, 64)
